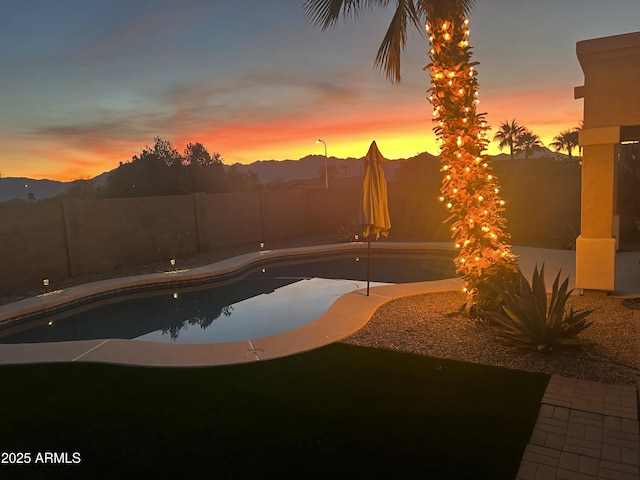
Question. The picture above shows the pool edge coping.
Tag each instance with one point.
(348, 314)
(13, 311)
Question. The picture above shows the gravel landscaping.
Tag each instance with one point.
(424, 324)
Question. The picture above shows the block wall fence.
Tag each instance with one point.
(60, 239)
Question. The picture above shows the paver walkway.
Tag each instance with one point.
(585, 431)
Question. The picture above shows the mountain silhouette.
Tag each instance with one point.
(268, 171)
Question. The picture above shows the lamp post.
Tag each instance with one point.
(326, 159)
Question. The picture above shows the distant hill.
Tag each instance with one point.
(543, 152)
(312, 166)
(288, 172)
(19, 188)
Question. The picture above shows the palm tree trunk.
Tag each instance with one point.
(469, 189)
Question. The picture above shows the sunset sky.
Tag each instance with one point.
(85, 84)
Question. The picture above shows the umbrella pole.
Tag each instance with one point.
(368, 261)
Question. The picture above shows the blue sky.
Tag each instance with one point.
(86, 84)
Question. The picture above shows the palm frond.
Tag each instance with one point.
(389, 53)
(326, 13)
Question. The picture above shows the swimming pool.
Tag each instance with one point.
(266, 300)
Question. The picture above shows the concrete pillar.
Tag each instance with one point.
(611, 93)
(596, 245)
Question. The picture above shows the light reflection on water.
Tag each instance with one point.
(286, 308)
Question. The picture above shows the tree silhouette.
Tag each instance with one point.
(333, 172)
(528, 142)
(508, 135)
(237, 181)
(566, 140)
(81, 189)
(205, 173)
(162, 170)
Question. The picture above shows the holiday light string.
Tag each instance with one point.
(469, 190)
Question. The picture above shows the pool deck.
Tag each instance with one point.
(585, 430)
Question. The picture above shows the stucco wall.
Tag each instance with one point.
(284, 213)
(228, 219)
(106, 234)
(33, 244)
(331, 209)
(59, 239)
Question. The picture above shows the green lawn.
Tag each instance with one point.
(337, 412)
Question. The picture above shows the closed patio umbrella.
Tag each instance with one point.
(374, 210)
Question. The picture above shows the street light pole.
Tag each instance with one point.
(326, 168)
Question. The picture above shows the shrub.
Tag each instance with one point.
(530, 317)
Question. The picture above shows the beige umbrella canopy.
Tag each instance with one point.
(374, 210)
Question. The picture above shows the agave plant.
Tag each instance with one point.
(531, 317)
(347, 234)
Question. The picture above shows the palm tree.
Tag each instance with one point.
(508, 135)
(469, 190)
(326, 13)
(528, 142)
(566, 140)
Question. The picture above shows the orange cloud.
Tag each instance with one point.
(347, 131)
(260, 129)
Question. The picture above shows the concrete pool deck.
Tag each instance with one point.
(585, 430)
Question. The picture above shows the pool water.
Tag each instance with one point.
(285, 308)
(266, 301)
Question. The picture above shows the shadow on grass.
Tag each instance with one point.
(341, 411)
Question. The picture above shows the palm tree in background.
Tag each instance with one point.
(528, 142)
(508, 135)
(469, 189)
(566, 140)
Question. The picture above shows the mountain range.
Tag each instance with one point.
(19, 188)
(268, 171)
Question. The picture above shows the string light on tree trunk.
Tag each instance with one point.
(468, 190)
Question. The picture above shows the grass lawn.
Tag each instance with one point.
(341, 411)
